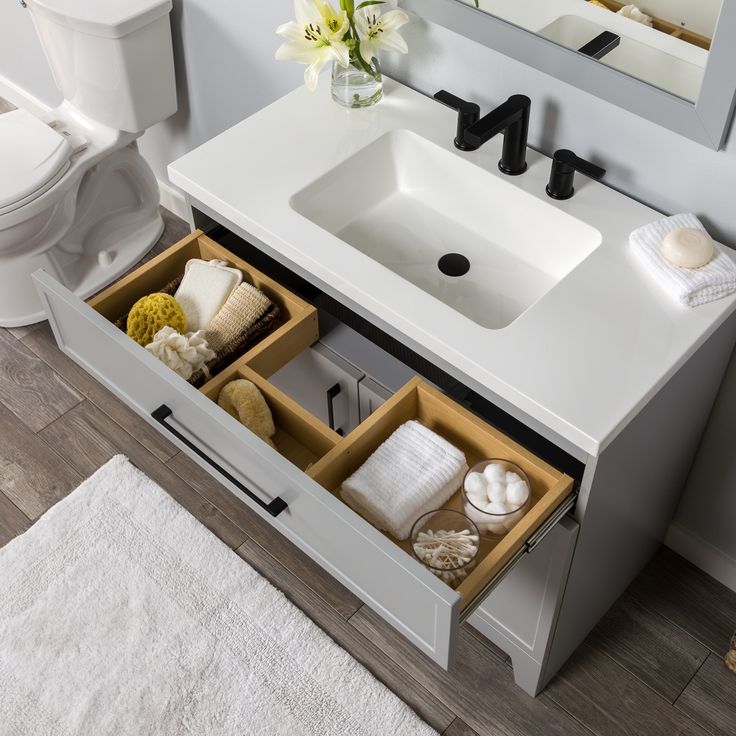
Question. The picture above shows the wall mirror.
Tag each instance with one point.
(670, 61)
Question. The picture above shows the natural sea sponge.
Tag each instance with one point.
(242, 399)
(152, 313)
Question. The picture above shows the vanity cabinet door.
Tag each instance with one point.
(371, 395)
(325, 384)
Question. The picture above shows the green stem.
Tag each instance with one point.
(356, 50)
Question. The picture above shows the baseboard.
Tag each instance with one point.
(17, 96)
(708, 558)
(175, 201)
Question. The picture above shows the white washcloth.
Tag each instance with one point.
(414, 471)
(690, 286)
(204, 289)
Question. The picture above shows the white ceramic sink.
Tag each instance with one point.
(406, 202)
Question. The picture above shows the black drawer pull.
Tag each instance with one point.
(274, 508)
(332, 393)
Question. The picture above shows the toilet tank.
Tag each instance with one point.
(112, 59)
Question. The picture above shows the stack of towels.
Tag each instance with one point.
(413, 472)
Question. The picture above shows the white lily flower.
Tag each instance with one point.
(380, 31)
(315, 38)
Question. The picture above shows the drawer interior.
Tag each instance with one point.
(296, 317)
(325, 456)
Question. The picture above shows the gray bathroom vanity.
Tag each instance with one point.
(566, 357)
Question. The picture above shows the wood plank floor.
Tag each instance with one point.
(652, 667)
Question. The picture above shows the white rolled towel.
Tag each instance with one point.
(690, 286)
(414, 471)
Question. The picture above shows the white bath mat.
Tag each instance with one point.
(121, 614)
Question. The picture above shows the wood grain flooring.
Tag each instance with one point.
(652, 667)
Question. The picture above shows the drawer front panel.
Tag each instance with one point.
(386, 578)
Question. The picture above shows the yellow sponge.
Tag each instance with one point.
(152, 313)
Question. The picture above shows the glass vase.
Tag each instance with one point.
(357, 85)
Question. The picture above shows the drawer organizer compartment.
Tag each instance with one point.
(422, 402)
(295, 316)
(300, 438)
(295, 484)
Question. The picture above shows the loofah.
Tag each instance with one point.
(152, 313)
(243, 308)
(184, 354)
(242, 400)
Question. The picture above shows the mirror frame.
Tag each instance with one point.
(706, 121)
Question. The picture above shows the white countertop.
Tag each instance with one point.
(582, 361)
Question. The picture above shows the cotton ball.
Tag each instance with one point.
(497, 492)
(517, 493)
(495, 473)
(496, 527)
(475, 486)
(475, 515)
(512, 477)
(496, 508)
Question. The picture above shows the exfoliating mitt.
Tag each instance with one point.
(242, 399)
(152, 313)
(204, 289)
(244, 307)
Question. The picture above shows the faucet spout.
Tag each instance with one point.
(511, 118)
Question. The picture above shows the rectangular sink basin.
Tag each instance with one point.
(406, 203)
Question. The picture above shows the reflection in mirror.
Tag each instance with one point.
(662, 42)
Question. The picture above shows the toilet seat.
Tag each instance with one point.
(33, 158)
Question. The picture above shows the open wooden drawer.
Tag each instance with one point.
(294, 486)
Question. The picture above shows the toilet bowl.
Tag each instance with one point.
(76, 197)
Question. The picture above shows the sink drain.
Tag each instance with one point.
(453, 264)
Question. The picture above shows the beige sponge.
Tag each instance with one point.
(242, 400)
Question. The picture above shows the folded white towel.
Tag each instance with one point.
(414, 471)
(690, 286)
(205, 287)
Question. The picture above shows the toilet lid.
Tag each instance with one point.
(33, 157)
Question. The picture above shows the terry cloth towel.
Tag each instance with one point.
(244, 307)
(413, 472)
(204, 289)
(690, 286)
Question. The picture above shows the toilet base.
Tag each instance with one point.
(116, 222)
(89, 275)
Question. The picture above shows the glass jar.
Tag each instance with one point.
(357, 85)
(488, 498)
(447, 543)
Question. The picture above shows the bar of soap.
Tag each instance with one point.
(687, 247)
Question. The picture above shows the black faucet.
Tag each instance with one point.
(511, 118)
(601, 45)
(564, 165)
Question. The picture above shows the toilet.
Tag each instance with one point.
(76, 197)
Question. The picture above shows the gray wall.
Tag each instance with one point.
(226, 71)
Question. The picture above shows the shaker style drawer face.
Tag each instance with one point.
(295, 482)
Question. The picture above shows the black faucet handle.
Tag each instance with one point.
(468, 113)
(562, 174)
